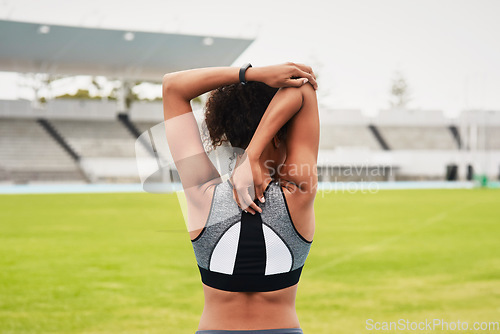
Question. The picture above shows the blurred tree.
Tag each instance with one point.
(43, 86)
(400, 92)
(39, 84)
(81, 94)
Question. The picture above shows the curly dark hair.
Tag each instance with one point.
(233, 112)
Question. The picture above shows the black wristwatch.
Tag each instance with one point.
(243, 69)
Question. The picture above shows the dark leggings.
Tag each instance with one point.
(259, 331)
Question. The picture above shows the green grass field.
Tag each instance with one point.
(123, 263)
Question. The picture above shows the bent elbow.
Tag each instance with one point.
(168, 82)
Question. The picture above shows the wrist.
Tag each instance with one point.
(253, 74)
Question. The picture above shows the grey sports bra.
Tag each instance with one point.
(238, 251)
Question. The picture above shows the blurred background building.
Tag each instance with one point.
(91, 138)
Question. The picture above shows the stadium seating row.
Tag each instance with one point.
(30, 154)
(105, 147)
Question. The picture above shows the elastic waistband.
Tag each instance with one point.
(259, 331)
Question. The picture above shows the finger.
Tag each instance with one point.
(251, 204)
(300, 74)
(296, 82)
(243, 200)
(249, 210)
(251, 198)
(247, 199)
(255, 207)
(307, 69)
(309, 77)
(258, 189)
(237, 200)
(259, 193)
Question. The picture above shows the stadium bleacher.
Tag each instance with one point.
(143, 126)
(333, 136)
(30, 154)
(97, 138)
(92, 135)
(106, 147)
(493, 138)
(418, 137)
(346, 129)
(418, 146)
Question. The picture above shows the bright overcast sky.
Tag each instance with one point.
(449, 50)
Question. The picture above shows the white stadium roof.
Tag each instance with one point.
(45, 48)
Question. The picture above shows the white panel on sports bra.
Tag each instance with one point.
(224, 254)
(279, 258)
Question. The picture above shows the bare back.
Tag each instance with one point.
(276, 309)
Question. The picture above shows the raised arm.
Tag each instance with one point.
(180, 87)
(194, 166)
(298, 106)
